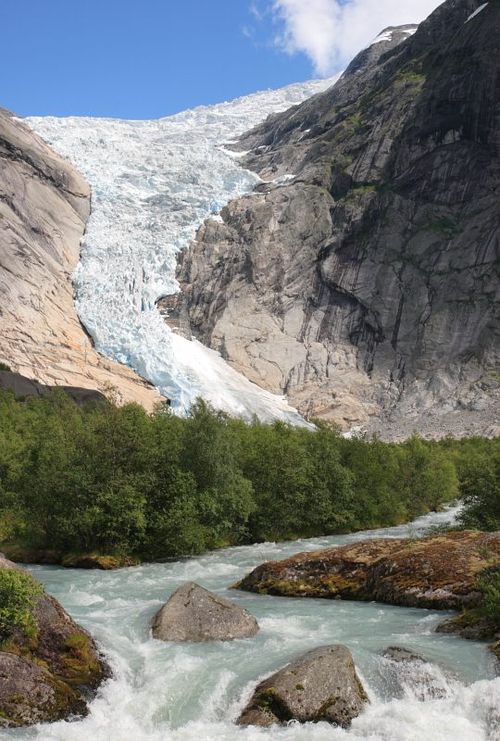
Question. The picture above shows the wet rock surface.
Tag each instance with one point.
(439, 572)
(409, 674)
(362, 278)
(473, 625)
(59, 666)
(194, 614)
(321, 685)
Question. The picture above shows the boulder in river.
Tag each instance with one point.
(439, 572)
(406, 673)
(194, 614)
(321, 685)
(49, 671)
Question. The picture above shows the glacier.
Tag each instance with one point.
(153, 184)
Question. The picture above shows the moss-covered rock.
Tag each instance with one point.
(21, 553)
(30, 694)
(439, 572)
(97, 561)
(58, 659)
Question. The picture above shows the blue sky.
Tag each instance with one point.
(151, 58)
(135, 59)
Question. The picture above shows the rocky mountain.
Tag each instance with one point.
(361, 276)
(44, 206)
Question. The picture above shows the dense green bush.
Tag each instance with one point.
(480, 487)
(18, 595)
(117, 480)
(489, 584)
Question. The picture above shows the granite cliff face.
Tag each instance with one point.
(44, 205)
(361, 277)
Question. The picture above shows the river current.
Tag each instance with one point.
(194, 692)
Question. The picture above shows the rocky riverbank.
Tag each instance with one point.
(24, 554)
(439, 572)
(49, 669)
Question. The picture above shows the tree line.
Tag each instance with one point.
(115, 480)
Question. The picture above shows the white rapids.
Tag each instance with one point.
(153, 184)
(194, 692)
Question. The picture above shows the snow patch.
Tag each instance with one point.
(476, 12)
(387, 35)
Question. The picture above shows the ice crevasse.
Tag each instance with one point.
(153, 184)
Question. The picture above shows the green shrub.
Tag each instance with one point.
(18, 595)
(489, 584)
(479, 476)
(117, 481)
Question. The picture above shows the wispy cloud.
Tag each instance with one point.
(256, 11)
(331, 32)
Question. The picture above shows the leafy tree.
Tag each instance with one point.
(113, 479)
(480, 490)
(489, 584)
(428, 477)
(225, 496)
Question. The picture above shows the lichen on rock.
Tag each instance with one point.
(439, 572)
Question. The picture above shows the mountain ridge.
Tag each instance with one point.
(368, 280)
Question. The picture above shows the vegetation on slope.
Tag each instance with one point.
(110, 480)
(18, 595)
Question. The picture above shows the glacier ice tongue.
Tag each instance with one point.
(153, 184)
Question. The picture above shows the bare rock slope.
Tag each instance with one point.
(44, 205)
(362, 279)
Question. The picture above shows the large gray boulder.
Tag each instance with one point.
(321, 685)
(194, 614)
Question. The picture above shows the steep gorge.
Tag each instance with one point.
(361, 277)
(44, 206)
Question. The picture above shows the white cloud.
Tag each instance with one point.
(331, 32)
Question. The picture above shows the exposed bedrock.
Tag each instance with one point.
(362, 278)
(44, 206)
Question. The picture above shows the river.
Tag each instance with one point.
(193, 692)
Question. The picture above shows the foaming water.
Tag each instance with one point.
(192, 692)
